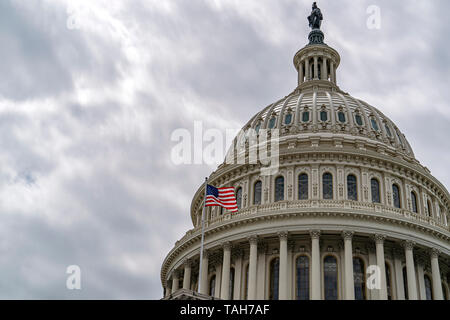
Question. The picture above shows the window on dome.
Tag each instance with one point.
(305, 116)
(388, 131)
(341, 116)
(375, 188)
(374, 124)
(288, 119)
(303, 187)
(212, 286)
(323, 116)
(430, 209)
(258, 126)
(352, 192)
(302, 278)
(428, 288)
(327, 182)
(330, 274)
(239, 197)
(400, 139)
(413, 201)
(358, 119)
(272, 122)
(279, 189)
(396, 196)
(257, 193)
(359, 279)
(274, 278)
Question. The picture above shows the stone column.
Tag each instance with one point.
(168, 289)
(379, 242)
(203, 285)
(300, 73)
(348, 266)
(437, 284)
(332, 72)
(307, 75)
(324, 69)
(187, 275)
(252, 267)
(282, 285)
(316, 293)
(410, 270)
(175, 281)
(225, 286)
(316, 68)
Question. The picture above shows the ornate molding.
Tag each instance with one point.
(283, 235)
(434, 253)
(315, 234)
(379, 238)
(347, 235)
(253, 239)
(226, 245)
(408, 245)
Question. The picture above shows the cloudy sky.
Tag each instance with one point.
(91, 94)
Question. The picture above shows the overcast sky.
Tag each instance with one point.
(90, 95)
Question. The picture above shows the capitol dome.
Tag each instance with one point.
(348, 201)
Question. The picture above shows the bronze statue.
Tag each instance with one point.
(315, 19)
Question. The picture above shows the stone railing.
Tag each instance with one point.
(314, 205)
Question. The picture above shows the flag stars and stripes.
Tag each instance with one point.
(222, 197)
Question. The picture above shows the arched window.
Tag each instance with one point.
(414, 201)
(303, 187)
(396, 196)
(327, 182)
(330, 274)
(258, 126)
(272, 122)
(405, 283)
(274, 278)
(428, 290)
(341, 117)
(288, 118)
(323, 115)
(388, 131)
(257, 193)
(352, 192)
(212, 286)
(305, 116)
(359, 279)
(302, 280)
(239, 198)
(231, 284)
(358, 119)
(430, 209)
(375, 188)
(279, 189)
(374, 124)
(388, 281)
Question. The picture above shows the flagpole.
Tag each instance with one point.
(203, 238)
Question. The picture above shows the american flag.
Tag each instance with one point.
(222, 197)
